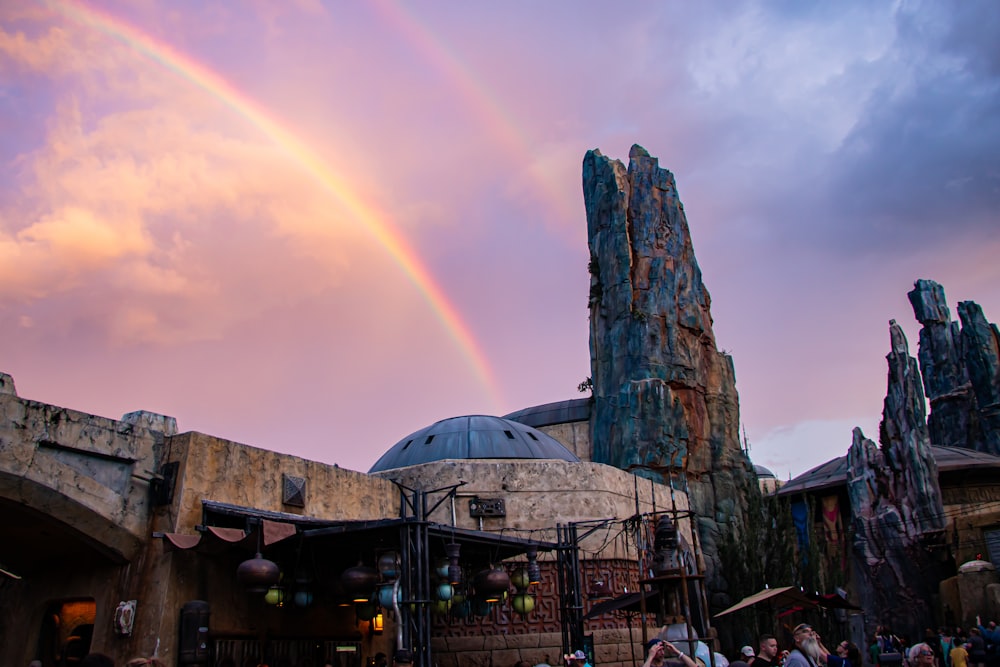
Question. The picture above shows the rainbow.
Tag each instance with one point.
(496, 119)
(365, 213)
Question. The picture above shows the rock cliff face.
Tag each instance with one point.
(665, 402)
(896, 507)
(961, 371)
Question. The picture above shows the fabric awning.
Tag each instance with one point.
(215, 539)
(774, 598)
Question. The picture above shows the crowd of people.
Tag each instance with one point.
(978, 646)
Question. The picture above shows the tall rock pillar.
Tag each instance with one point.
(665, 402)
(961, 370)
(896, 510)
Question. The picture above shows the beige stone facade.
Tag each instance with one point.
(88, 503)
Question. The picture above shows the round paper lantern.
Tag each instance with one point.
(444, 591)
(275, 595)
(523, 603)
(520, 579)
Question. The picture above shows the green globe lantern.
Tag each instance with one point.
(523, 603)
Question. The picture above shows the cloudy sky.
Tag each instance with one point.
(316, 227)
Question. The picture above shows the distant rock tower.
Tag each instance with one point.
(665, 402)
(961, 371)
(896, 509)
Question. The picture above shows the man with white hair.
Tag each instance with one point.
(808, 651)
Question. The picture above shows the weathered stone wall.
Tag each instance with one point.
(575, 436)
(207, 473)
(540, 494)
(665, 401)
(612, 648)
(90, 472)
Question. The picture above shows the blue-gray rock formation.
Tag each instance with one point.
(665, 402)
(896, 509)
(961, 371)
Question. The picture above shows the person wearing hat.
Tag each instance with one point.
(402, 657)
(808, 651)
(661, 653)
(576, 659)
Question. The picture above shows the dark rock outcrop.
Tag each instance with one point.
(896, 507)
(961, 371)
(665, 402)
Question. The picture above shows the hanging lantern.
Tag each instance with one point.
(275, 595)
(303, 598)
(444, 591)
(359, 582)
(665, 544)
(388, 565)
(384, 595)
(454, 569)
(258, 573)
(520, 579)
(492, 584)
(441, 568)
(441, 607)
(523, 603)
(534, 569)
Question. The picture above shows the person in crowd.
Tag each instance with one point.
(947, 642)
(922, 655)
(381, 659)
(661, 653)
(959, 655)
(846, 654)
(976, 647)
(808, 651)
(402, 658)
(767, 653)
(933, 640)
(747, 654)
(991, 635)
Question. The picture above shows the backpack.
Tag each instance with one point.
(888, 651)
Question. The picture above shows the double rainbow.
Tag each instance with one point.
(364, 213)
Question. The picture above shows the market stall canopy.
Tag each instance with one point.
(773, 598)
(629, 602)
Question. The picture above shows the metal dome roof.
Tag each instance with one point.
(473, 437)
(763, 472)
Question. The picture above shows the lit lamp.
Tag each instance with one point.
(534, 569)
(378, 623)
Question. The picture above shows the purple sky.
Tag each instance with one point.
(160, 250)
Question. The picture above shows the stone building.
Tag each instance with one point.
(125, 537)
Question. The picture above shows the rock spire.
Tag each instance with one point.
(961, 370)
(665, 401)
(896, 508)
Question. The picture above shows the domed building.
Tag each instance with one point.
(128, 537)
(767, 480)
(513, 479)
